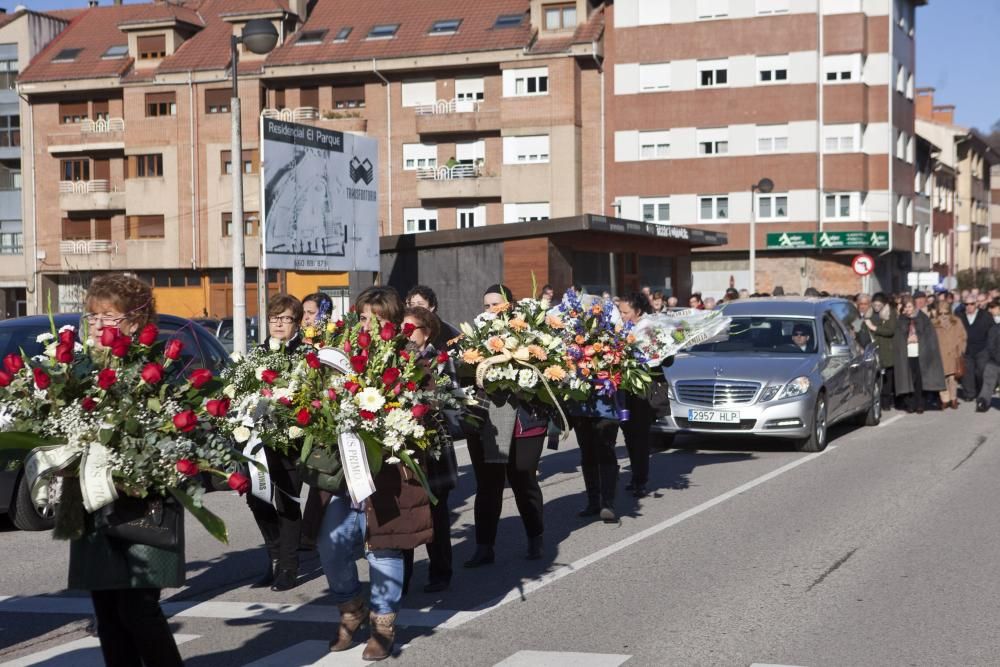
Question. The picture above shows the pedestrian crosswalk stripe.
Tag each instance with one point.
(314, 653)
(561, 659)
(79, 653)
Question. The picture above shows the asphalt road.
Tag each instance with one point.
(880, 551)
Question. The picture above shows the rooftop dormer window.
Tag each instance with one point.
(115, 52)
(384, 31)
(152, 47)
(343, 34)
(307, 37)
(446, 27)
(67, 55)
(560, 17)
(508, 21)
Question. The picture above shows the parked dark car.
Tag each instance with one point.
(224, 332)
(201, 350)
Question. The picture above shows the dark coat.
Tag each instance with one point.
(977, 332)
(399, 512)
(931, 368)
(885, 335)
(101, 563)
(993, 344)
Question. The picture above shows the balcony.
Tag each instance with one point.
(456, 117)
(463, 181)
(105, 134)
(339, 121)
(97, 195)
(89, 255)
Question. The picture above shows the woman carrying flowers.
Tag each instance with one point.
(641, 417)
(393, 518)
(124, 579)
(280, 523)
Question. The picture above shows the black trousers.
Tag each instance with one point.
(972, 381)
(888, 389)
(312, 516)
(280, 524)
(596, 438)
(438, 549)
(636, 432)
(915, 401)
(521, 470)
(133, 630)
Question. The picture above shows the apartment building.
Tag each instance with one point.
(995, 215)
(961, 189)
(23, 34)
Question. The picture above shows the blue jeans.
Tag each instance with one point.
(341, 542)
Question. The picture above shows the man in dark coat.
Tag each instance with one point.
(927, 375)
(882, 324)
(977, 327)
(991, 372)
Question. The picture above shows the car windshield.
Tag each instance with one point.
(782, 335)
(14, 339)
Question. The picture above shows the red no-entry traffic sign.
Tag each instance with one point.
(863, 265)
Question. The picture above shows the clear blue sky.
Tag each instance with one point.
(955, 53)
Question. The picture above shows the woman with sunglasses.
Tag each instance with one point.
(280, 523)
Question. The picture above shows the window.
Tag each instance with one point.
(654, 145)
(419, 93)
(772, 207)
(560, 17)
(714, 141)
(900, 145)
(713, 73)
(772, 139)
(307, 37)
(772, 69)
(713, 207)
(472, 216)
(72, 112)
(145, 166)
(250, 220)
(8, 74)
(900, 79)
(102, 229)
(10, 179)
(250, 161)
(343, 34)
(10, 131)
(152, 47)
(909, 87)
(161, 104)
(418, 220)
(525, 212)
(11, 238)
(100, 110)
(446, 27)
(655, 209)
(470, 152)
(309, 97)
(67, 55)
(654, 76)
(769, 7)
(838, 206)
(838, 69)
(526, 150)
(470, 90)
(384, 31)
(144, 227)
(75, 170)
(217, 100)
(349, 97)
(526, 81)
(508, 21)
(279, 98)
(713, 9)
(842, 138)
(74, 229)
(419, 156)
(115, 52)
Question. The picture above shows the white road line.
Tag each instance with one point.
(560, 659)
(313, 652)
(555, 575)
(891, 420)
(79, 653)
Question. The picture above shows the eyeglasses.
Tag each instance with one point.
(417, 304)
(104, 320)
(280, 319)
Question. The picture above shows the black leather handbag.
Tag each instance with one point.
(153, 521)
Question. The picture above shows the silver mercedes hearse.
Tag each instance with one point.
(790, 368)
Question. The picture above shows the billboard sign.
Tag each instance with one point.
(320, 190)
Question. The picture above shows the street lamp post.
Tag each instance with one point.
(260, 37)
(765, 186)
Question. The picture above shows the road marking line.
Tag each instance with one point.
(566, 570)
(84, 652)
(891, 420)
(559, 659)
(312, 652)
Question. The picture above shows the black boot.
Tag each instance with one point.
(535, 548)
(609, 483)
(285, 580)
(483, 556)
(268, 577)
(592, 483)
(982, 406)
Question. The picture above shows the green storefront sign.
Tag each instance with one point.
(827, 240)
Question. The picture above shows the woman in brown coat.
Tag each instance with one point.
(951, 339)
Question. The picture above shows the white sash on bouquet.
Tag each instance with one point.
(354, 460)
(260, 474)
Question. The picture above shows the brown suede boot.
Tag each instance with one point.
(383, 634)
(352, 615)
